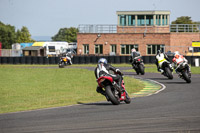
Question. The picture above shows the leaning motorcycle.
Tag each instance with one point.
(168, 69)
(63, 62)
(183, 72)
(113, 91)
(138, 65)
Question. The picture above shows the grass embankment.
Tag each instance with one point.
(27, 88)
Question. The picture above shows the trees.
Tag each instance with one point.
(8, 36)
(23, 35)
(183, 20)
(66, 34)
(184, 24)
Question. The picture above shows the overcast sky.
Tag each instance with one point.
(46, 17)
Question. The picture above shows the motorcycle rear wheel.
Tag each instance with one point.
(111, 96)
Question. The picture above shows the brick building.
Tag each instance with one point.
(146, 31)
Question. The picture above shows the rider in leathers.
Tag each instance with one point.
(134, 55)
(160, 59)
(178, 58)
(105, 71)
(69, 57)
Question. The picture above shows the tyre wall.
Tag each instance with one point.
(83, 60)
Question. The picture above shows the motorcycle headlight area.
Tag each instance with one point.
(101, 80)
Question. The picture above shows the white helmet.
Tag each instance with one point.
(176, 53)
(102, 60)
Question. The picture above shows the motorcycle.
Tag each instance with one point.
(168, 69)
(113, 91)
(183, 72)
(138, 65)
(63, 62)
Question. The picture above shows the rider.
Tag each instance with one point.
(160, 59)
(104, 70)
(178, 58)
(134, 55)
(69, 57)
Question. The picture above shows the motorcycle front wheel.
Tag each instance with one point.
(186, 77)
(61, 65)
(169, 73)
(141, 68)
(111, 96)
(128, 99)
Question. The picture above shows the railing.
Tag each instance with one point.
(185, 28)
(89, 28)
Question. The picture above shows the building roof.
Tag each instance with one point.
(147, 12)
(33, 48)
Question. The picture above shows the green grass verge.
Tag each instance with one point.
(28, 87)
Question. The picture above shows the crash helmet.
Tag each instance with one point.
(102, 60)
(133, 50)
(176, 54)
(159, 51)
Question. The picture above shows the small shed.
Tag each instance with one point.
(33, 51)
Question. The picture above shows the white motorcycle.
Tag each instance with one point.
(183, 71)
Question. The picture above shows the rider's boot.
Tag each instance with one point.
(100, 90)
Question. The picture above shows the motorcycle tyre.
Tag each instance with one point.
(128, 99)
(169, 73)
(186, 77)
(62, 65)
(141, 69)
(111, 97)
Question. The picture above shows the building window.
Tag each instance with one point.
(122, 20)
(163, 20)
(131, 20)
(126, 48)
(98, 49)
(153, 48)
(85, 48)
(158, 19)
(140, 20)
(149, 20)
(113, 48)
(52, 49)
(166, 20)
(196, 49)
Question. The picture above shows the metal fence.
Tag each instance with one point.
(185, 28)
(89, 28)
(112, 28)
(10, 52)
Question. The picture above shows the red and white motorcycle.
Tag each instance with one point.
(182, 70)
(113, 91)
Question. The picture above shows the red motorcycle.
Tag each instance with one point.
(113, 91)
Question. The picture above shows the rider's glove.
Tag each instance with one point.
(118, 71)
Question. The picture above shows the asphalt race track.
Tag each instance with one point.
(176, 109)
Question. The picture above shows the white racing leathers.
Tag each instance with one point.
(161, 58)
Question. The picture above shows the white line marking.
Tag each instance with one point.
(163, 86)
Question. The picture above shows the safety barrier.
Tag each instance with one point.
(83, 59)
